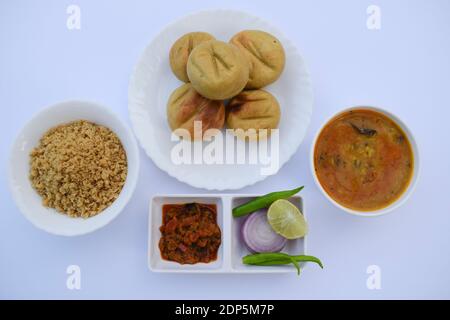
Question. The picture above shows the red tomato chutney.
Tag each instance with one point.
(363, 160)
(190, 233)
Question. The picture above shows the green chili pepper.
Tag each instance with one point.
(296, 265)
(263, 202)
(273, 259)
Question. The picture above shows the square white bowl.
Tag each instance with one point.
(155, 261)
(239, 250)
(232, 249)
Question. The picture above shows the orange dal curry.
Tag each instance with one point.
(363, 160)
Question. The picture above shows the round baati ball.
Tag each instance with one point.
(218, 70)
(253, 109)
(182, 48)
(265, 54)
(186, 106)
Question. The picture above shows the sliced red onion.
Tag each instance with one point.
(259, 236)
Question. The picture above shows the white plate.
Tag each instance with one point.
(232, 249)
(152, 83)
(28, 200)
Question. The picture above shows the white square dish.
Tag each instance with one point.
(155, 262)
(231, 250)
(239, 250)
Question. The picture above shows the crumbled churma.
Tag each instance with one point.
(79, 168)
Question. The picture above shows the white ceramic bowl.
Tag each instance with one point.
(412, 183)
(28, 200)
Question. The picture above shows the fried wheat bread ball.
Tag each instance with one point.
(218, 70)
(182, 48)
(265, 55)
(253, 109)
(186, 106)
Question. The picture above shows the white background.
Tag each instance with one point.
(404, 67)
